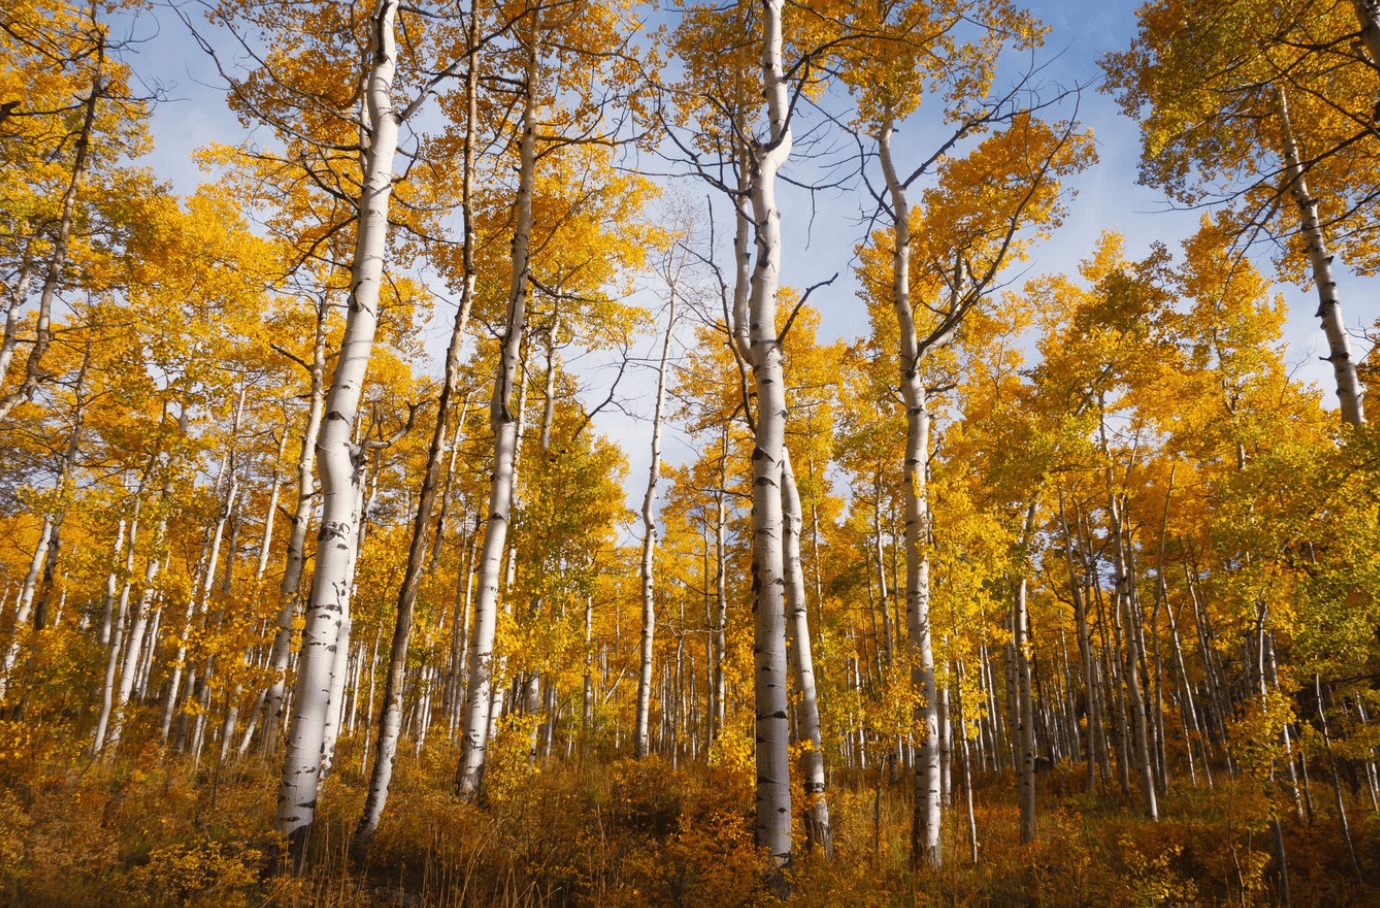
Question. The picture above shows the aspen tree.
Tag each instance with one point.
(818, 832)
(503, 423)
(644, 679)
(291, 582)
(34, 372)
(1329, 310)
(390, 717)
(339, 471)
(1212, 85)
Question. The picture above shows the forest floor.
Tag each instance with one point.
(151, 832)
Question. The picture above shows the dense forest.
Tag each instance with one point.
(326, 576)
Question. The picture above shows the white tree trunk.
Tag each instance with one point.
(112, 584)
(112, 663)
(1329, 309)
(196, 603)
(773, 820)
(503, 420)
(291, 583)
(1026, 719)
(1125, 593)
(644, 680)
(133, 661)
(817, 829)
(24, 606)
(275, 489)
(390, 718)
(927, 816)
(43, 335)
(339, 478)
(335, 715)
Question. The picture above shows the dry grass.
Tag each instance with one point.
(145, 832)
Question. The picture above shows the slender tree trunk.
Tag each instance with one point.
(965, 755)
(1329, 309)
(1187, 707)
(134, 652)
(1080, 614)
(503, 421)
(390, 717)
(720, 632)
(443, 518)
(1026, 727)
(112, 663)
(197, 603)
(34, 373)
(24, 605)
(927, 816)
(291, 583)
(1127, 600)
(773, 820)
(43, 565)
(818, 832)
(1336, 782)
(18, 297)
(644, 681)
(331, 583)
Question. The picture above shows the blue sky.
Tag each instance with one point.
(194, 113)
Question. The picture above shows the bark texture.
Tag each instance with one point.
(339, 457)
(504, 423)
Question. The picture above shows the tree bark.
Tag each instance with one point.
(503, 421)
(1026, 727)
(773, 815)
(927, 816)
(291, 582)
(43, 336)
(1329, 309)
(644, 680)
(338, 456)
(390, 717)
(818, 832)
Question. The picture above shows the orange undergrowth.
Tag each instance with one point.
(146, 832)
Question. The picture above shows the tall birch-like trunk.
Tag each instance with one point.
(134, 651)
(196, 604)
(1336, 782)
(720, 632)
(773, 815)
(25, 603)
(339, 475)
(818, 832)
(1128, 601)
(43, 564)
(270, 513)
(43, 334)
(112, 663)
(1025, 721)
(644, 678)
(390, 717)
(291, 583)
(18, 294)
(1329, 308)
(503, 421)
(112, 584)
(1080, 614)
(198, 601)
(926, 815)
